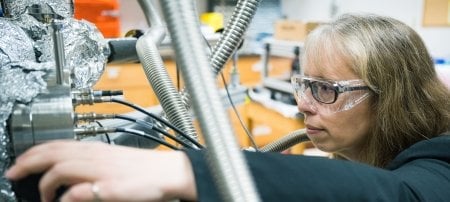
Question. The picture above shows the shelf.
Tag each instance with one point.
(282, 48)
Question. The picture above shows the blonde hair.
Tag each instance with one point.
(409, 103)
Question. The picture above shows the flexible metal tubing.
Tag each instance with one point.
(150, 13)
(226, 162)
(232, 36)
(158, 77)
(286, 141)
(233, 33)
(230, 39)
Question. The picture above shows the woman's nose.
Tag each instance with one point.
(305, 104)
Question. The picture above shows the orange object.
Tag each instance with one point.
(103, 13)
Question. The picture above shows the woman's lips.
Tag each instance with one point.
(311, 130)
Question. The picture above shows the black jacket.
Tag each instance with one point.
(419, 173)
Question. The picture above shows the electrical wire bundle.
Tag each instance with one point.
(90, 97)
(89, 131)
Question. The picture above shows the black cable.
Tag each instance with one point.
(151, 127)
(145, 135)
(138, 108)
(252, 140)
(108, 139)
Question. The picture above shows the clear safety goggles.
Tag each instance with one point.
(325, 96)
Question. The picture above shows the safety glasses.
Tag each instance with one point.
(327, 92)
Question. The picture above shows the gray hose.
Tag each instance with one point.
(233, 33)
(231, 38)
(158, 77)
(226, 162)
(151, 15)
(286, 141)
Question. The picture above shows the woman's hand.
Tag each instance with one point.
(120, 173)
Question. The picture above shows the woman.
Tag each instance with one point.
(369, 93)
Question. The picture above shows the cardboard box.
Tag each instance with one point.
(436, 13)
(293, 30)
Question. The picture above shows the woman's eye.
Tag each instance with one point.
(325, 87)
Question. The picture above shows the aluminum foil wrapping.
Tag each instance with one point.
(20, 81)
(16, 8)
(26, 59)
(86, 50)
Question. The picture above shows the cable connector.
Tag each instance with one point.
(92, 131)
(89, 96)
(91, 117)
(108, 93)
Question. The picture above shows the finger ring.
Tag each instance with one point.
(96, 192)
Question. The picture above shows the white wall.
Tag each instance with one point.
(408, 11)
(131, 16)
